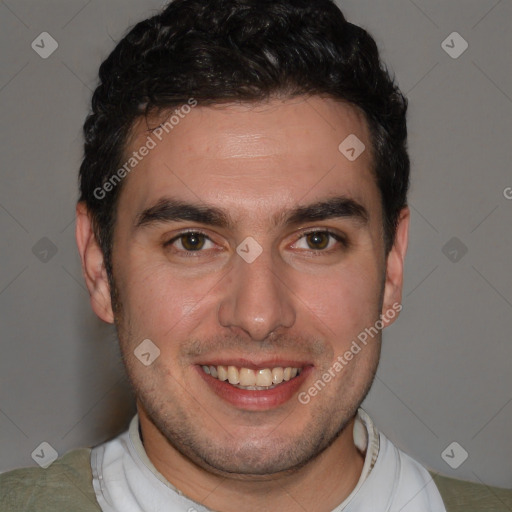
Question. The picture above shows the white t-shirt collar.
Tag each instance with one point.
(125, 480)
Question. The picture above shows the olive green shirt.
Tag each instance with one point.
(66, 486)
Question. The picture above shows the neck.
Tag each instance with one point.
(336, 471)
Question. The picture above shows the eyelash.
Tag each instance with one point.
(183, 233)
(338, 237)
(341, 239)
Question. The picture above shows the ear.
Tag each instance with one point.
(93, 266)
(392, 301)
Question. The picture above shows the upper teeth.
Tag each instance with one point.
(264, 377)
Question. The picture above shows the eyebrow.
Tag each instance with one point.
(173, 210)
(333, 208)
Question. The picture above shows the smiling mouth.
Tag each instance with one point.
(253, 380)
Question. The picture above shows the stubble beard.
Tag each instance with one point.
(257, 458)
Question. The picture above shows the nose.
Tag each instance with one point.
(256, 300)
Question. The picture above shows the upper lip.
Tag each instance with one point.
(255, 365)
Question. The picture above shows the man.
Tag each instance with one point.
(243, 222)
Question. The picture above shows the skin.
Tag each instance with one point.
(295, 301)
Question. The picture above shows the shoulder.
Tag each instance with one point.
(459, 495)
(67, 482)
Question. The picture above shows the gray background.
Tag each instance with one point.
(445, 373)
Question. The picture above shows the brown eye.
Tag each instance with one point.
(192, 241)
(321, 241)
(318, 240)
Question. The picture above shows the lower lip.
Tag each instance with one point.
(255, 400)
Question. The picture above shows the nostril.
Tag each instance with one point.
(255, 304)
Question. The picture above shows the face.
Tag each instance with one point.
(250, 251)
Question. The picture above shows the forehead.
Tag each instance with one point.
(251, 158)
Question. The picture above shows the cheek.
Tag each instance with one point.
(158, 304)
(346, 300)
